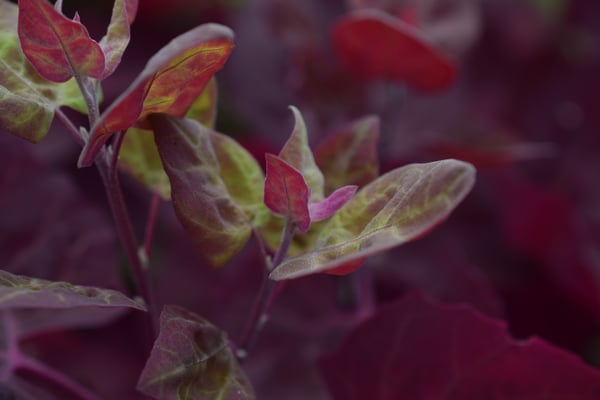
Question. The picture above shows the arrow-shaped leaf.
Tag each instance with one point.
(286, 192)
(58, 47)
(171, 81)
(216, 186)
(399, 206)
(191, 360)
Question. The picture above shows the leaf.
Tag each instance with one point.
(399, 206)
(375, 45)
(171, 81)
(27, 101)
(297, 153)
(349, 157)
(326, 208)
(23, 292)
(286, 192)
(117, 37)
(58, 48)
(139, 156)
(416, 349)
(191, 359)
(216, 186)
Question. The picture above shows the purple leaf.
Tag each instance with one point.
(115, 41)
(216, 186)
(349, 156)
(170, 83)
(58, 47)
(191, 360)
(399, 206)
(297, 153)
(415, 349)
(286, 192)
(327, 207)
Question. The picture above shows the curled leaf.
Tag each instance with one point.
(171, 81)
(117, 37)
(58, 48)
(399, 206)
(191, 360)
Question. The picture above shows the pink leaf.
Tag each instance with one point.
(286, 192)
(415, 349)
(58, 47)
(117, 36)
(326, 208)
(375, 45)
(171, 81)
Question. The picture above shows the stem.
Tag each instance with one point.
(55, 377)
(151, 223)
(71, 128)
(268, 292)
(126, 234)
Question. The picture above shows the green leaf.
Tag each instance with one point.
(27, 101)
(349, 156)
(204, 108)
(139, 157)
(191, 360)
(399, 206)
(298, 154)
(170, 83)
(58, 47)
(216, 186)
(24, 292)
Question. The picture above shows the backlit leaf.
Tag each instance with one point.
(191, 360)
(216, 186)
(27, 101)
(416, 349)
(117, 37)
(297, 153)
(57, 46)
(23, 292)
(399, 206)
(376, 45)
(171, 81)
(139, 157)
(286, 192)
(349, 157)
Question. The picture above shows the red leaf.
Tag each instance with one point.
(57, 47)
(286, 191)
(375, 45)
(171, 81)
(418, 350)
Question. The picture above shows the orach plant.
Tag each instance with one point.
(322, 212)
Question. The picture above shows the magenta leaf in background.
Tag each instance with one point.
(419, 350)
(326, 208)
(286, 192)
(117, 37)
(216, 185)
(349, 156)
(58, 48)
(376, 45)
(170, 83)
(397, 207)
(191, 360)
